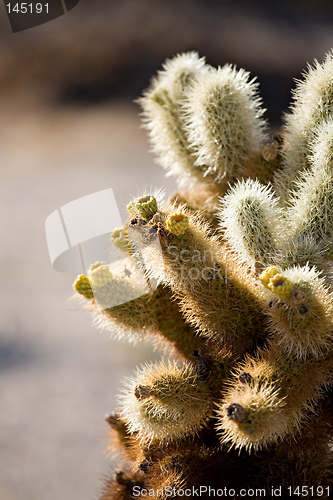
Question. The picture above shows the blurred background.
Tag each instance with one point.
(68, 128)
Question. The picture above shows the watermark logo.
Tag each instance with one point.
(83, 238)
(26, 15)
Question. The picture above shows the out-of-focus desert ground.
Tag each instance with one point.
(58, 375)
(68, 128)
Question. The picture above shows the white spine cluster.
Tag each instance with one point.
(251, 221)
(313, 103)
(321, 147)
(165, 402)
(162, 115)
(310, 214)
(205, 124)
(309, 221)
(224, 120)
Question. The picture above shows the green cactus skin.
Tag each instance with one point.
(243, 303)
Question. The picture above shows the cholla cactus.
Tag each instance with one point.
(244, 299)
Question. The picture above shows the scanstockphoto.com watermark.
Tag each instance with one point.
(207, 491)
(199, 491)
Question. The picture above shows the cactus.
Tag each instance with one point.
(243, 304)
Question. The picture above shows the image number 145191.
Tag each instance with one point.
(24, 8)
(26, 15)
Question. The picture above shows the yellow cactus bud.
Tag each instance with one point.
(145, 206)
(302, 320)
(100, 276)
(276, 283)
(281, 286)
(267, 274)
(95, 266)
(177, 224)
(119, 238)
(82, 286)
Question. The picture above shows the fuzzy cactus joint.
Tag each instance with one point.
(238, 293)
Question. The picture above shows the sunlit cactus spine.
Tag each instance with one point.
(238, 292)
(166, 402)
(223, 117)
(164, 117)
(251, 221)
(312, 105)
